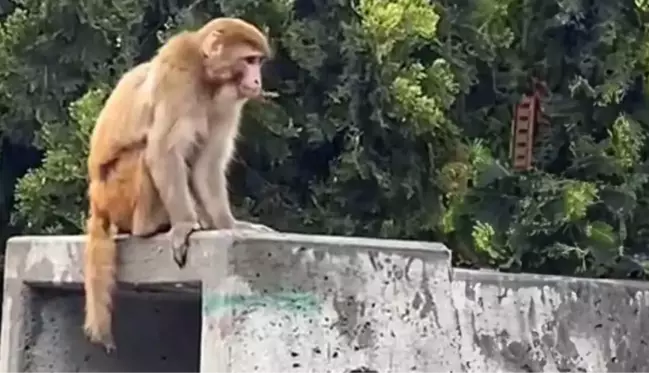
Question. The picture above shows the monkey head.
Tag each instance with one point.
(234, 52)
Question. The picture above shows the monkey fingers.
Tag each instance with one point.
(203, 217)
(109, 346)
(105, 339)
(179, 237)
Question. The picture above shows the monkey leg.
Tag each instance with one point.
(204, 219)
(151, 218)
(149, 215)
(148, 219)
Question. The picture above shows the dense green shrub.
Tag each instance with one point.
(392, 120)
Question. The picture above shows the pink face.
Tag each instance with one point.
(249, 73)
(237, 66)
(231, 61)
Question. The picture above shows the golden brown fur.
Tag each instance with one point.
(161, 147)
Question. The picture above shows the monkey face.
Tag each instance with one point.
(237, 69)
(247, 73)
(233, 54)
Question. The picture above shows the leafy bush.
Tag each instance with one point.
(51, 199)
(393, 120)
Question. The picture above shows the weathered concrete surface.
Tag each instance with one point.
(311, 305)
(533, 323)
(288, 302)
(270, 302)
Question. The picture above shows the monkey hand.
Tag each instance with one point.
(179, 237)
(246, 225)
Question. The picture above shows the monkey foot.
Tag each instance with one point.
(204, 224)
(179, 237)
(106, 340)
(109, 348)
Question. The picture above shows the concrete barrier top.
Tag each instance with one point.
(59, 259)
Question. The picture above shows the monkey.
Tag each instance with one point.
(160, 151)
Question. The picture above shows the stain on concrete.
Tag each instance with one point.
(469, 292)
(423, 300)
(362, 369)
(366, 336)
(348, 311)
(292, 302)
(409, 263)
(360, 335)
(276, 268)
(531, 313)
(376, 264)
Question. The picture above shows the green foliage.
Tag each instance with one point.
(392, 120)
(626, 142)
(51, 50)
(51, 199)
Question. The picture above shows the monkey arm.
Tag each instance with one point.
(210, 184)
(165, 157)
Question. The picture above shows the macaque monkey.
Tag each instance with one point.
(160, 151)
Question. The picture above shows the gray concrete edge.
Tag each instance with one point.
(148, 260)
(523, 280)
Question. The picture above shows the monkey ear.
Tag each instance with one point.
(212, 45)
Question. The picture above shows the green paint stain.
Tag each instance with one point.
(294, 302)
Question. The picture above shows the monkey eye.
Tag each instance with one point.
(252, 60)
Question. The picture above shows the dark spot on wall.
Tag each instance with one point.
(363, 370)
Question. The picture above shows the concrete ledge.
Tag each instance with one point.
(527, 322)
(267, 301)
(59, 259)
(291, 302)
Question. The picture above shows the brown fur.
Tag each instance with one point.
(167, 121)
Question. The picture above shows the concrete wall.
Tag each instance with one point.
(533, 323)
(288, 302)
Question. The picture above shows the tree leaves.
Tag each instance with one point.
(392, 119)
(51, 198)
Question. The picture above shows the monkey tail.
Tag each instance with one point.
(99, 278)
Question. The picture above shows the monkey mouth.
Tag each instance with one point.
(245, 92)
